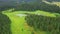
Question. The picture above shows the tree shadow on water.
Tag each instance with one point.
(5, 24)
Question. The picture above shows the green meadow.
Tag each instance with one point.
(18, 22)
(30, 17)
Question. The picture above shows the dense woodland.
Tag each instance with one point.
(32, 6)
(44, 23)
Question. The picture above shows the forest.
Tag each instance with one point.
(29, 16)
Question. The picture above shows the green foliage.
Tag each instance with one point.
(5, 24)
(44, 23)
(38, 6)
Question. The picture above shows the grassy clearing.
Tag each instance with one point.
(19, 25)
(38, 12)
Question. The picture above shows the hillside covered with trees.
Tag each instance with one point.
(29, 5)
(29, 16)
